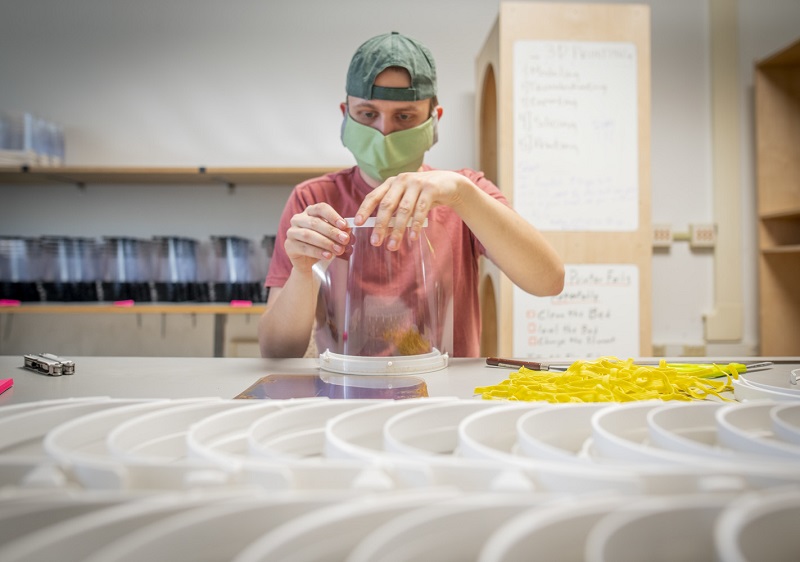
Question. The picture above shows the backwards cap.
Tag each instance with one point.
(392, 49)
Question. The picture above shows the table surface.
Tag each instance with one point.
(187, 377)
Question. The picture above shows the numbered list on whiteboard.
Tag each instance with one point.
(597, 314)
(576, 160)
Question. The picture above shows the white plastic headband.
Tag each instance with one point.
(370, 223)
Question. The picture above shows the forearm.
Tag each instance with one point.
(512, 243)
(284, 328)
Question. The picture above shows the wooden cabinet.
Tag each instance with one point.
(777, 112)
(543, 90)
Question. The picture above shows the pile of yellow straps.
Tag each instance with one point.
(609, 379)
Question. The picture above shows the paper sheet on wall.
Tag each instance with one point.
(597, 314)
(576, 135)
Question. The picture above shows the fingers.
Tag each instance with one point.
(401, 201)
(370, 202)
(318, 232)
(302, 242)
(325, 212)
(402, 212)
(419, 217)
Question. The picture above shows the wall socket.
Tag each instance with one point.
(702, 235)
(662, 235)
(694, 351)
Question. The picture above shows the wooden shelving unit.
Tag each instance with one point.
(98, 175)
(82, 177)
(85, 176)
(777, 110)
(90, 175)
(499, 113)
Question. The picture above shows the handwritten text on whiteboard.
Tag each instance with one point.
(576, 135)
(597, 314)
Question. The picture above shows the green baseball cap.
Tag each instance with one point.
(392, 49)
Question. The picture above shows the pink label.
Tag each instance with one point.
(241, 304)
(5, 384)
(125, 303)
(9, 302)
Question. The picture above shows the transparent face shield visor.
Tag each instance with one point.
(386, 312)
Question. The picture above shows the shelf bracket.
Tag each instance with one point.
(229, 184)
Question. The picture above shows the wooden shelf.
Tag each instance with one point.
(790, 249)
(145, 308)
(784, 214)
(789, 56)
(89, 175)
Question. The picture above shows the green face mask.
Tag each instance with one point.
(382, 157)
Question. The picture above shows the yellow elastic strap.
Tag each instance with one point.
(608, 379)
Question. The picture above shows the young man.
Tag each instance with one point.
(390, 120)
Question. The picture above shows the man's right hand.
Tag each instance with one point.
(318, 233)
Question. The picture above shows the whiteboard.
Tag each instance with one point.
(597, 314)
(575, 135)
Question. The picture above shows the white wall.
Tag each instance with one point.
(243, 82)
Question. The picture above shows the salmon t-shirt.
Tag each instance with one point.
(345, 191)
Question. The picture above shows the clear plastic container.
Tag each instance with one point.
(233, 256)
(126, 269)
(175, 259)
(394, 305)
(176, 269)
(70, 268)
(235, 271)
(20, 268)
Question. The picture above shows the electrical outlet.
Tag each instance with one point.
(694, 351)
(702, 235)
(662, 236)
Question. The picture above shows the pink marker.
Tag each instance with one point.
(5, 384)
